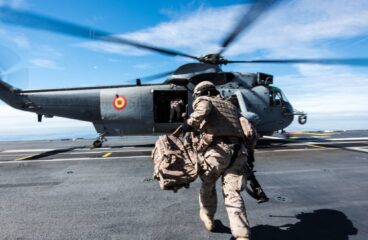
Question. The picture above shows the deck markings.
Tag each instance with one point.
(106, 155)
(24, 158)
(316, 146)
(79, 152)
(296, 150)
(359, 149)
(27, 150)
(321, 170)
(348, 139)
(72, 159)
(312, 133)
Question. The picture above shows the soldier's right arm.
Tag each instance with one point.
(201, 108)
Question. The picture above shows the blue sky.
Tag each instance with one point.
(334, 96)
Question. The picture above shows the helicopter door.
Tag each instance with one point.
(169, 105)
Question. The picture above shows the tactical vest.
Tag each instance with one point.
(223, 120)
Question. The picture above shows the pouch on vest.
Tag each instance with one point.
(175, 165)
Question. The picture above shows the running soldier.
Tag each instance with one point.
(222, 155)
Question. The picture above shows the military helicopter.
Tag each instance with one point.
(144, 109)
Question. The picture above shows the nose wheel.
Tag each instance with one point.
(302, 119)
(99, 141)
(97, 144)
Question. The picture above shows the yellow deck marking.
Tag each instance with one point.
(107, 155)
(294, 137)
(316, 146)
(313, 134)
(24, 158)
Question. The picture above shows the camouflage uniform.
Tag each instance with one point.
(218, 120)
(175, 107)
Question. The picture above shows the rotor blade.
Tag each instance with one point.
(251, 16)
(8, 59)
(39, 22)
(327, 61)
(11, 69)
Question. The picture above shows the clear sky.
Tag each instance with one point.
(335, 97)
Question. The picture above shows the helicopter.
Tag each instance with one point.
(144, 109)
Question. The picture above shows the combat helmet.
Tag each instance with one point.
(204, 88)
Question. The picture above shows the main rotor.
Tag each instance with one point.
(214, 59)
(251, 14)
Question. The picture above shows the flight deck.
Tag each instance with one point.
(63, 189)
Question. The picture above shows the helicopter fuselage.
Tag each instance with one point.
(145, 109)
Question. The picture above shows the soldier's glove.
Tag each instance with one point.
(186, 128)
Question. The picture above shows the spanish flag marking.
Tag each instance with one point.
(119, 102)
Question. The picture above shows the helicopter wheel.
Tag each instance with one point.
(97, 144)
(302, 119)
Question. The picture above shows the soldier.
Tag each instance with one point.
(222, 154)
(175, 107)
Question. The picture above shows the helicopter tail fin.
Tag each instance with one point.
(10, 95)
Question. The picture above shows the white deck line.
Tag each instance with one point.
(323, 143)
(348, 139)
(297, 150)
(309, 170)
(360, 149)
(27, 150)
(68, 159)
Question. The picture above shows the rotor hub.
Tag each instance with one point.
(214, 58)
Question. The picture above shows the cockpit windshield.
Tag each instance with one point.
(277, 97)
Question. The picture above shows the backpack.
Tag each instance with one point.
(175, 164)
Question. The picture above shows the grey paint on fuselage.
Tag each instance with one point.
(257, 101)
(95, 104)
(80, 105)
(137, 117)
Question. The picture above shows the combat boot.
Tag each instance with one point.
(208, 222)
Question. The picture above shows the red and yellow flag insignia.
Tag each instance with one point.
(119, 102)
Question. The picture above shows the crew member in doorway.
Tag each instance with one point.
(175, 109)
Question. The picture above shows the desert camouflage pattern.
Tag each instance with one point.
(216, 116)
(215, 162)
(175, 165)
(218, 121)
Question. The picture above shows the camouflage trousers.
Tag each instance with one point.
(215, 163)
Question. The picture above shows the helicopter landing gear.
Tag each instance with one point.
(99, 141)
(302, 119)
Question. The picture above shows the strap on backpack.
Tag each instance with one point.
(178, 131)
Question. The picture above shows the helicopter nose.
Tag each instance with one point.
(287, 109)
(288, 114)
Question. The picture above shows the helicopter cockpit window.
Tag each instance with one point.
(277, 98)
(284, 98)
